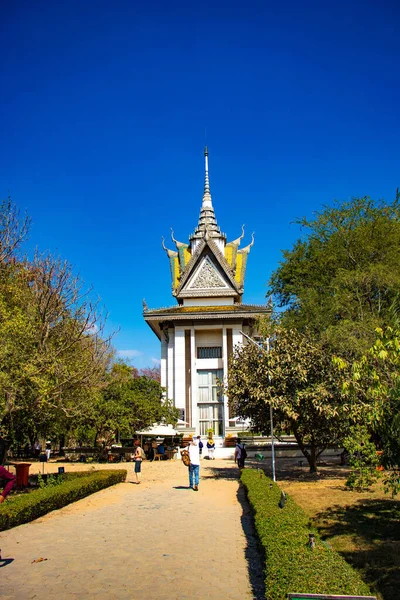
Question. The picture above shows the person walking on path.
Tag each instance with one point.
(211, 448)
(240, 454)
(138, 458)
(200, 443)
(48, 450)
(194, 467)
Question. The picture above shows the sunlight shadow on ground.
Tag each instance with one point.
(375, 526)
(5, 561)
(221, 473)
(254, 552)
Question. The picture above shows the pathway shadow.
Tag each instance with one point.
(181, 487)
(5, 561)
(254, 553)
(221, 473)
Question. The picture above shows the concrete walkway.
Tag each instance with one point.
(158, 540)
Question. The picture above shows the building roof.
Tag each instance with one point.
(157, 317)
(208, 265)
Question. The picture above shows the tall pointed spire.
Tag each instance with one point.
(206, 178)
(207, 224)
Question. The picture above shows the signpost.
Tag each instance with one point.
(327, 597)
(43, 459)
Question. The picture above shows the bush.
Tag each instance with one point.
(363, 459)
(291, 564)
(75, 486)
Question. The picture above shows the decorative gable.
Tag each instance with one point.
(207, 277)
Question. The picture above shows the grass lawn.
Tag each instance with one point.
(363, 527)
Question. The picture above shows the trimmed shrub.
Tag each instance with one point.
(292, 566)
(28, 507)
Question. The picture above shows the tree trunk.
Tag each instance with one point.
(311, 455)
(312, 461)
(3, 450)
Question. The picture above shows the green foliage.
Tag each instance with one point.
(26, 508)
(52, 355)
(362, 459)
(375, 379)
(128, 402)
(298, 379)
(49, 481)
(291, 565)
(56, 375)
(341, 278)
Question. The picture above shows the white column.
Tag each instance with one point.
(164, 357)
(237, 337)
(193, 369)
(225, 367)
(179, 368)
(170, 364)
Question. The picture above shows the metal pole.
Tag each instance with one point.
(270, 407)
(272, 443)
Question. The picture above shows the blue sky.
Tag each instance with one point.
(105, 109)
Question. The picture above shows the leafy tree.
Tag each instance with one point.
(299, 380)
(362, 458)
(52, 354)
(375, 379)
(128, 403)
(340, 279)
(55, 360)
(57, 376)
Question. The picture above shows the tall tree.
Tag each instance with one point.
(52, 353)
(299, 380)
(340, 279)
(129, 403)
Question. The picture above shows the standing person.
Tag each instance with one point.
(200, 444)
(138, 458)
(211, 448)
(194, 467)
(37, 448)
(10, 479)
(48, 450)
(240, 454)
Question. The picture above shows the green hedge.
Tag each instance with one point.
(27, 507)
(291, 565)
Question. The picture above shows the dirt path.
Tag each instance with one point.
(157, 540)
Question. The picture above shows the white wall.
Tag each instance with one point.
(179, 367)
(209, 337)
(208, 301)
(170, 364)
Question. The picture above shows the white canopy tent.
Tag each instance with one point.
(158, 430)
